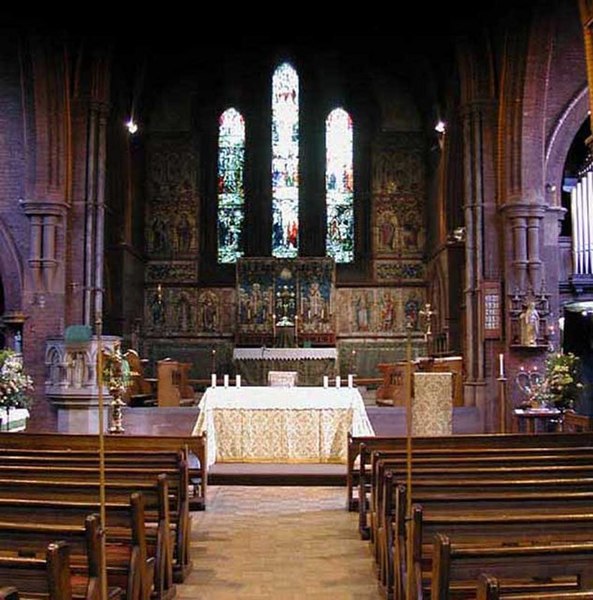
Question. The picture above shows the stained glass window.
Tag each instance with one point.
(231, 192)
(339, 186)
(285, 162)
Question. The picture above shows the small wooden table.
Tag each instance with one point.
(537, 420)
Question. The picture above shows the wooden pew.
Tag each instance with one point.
(488, 526)
(489, 588)
(173, 387)
(143, 478)
(193, 447)
(141, 391)
(27, 526)
(361, 447)
(52, 576)
(465, 563)
(455, 463)
(58, 502)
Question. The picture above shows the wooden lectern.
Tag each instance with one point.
(392, 392)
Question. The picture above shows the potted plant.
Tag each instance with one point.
(562, 380)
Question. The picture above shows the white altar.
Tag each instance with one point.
(311, 364)
(270, 424)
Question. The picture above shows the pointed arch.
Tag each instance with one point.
(339, 186)
(231, 190)
(285, 162)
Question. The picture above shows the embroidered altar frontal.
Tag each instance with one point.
(267, 424)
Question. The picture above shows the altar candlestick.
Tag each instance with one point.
(274, 325)
(238, 380)
(226, 381)
(350, 380)
(213, 369)
(338, 381)
(213, 380)
(325, 381)
(296, 330)
(501, 365)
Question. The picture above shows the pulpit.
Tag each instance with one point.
(392, 391)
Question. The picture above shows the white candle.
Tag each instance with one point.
(213, 380)
(338, 380)
(238, 380)
(325, 381)
(226, 381)
(350, 381)
(501, 365)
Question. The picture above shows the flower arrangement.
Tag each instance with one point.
(562, 379)
(15, 384)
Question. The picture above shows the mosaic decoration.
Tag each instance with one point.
(398, 270)
(285, 162)
(172, 272)
(281, 292)
(339, 186)
(399, 189)
(231, 192)
(378, 311)
(172, 208)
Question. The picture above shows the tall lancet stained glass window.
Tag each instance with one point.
(285, 162)
(339, 186)
(231, 192)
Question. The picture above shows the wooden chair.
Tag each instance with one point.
(141, 391)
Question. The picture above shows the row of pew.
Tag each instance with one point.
(52, 541)
(482, 516)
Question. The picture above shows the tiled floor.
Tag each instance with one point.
(285, 543)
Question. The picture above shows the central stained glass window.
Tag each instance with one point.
(285, 162)
(339, 186)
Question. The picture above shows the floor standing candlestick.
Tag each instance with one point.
(502, 402)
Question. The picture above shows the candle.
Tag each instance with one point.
(338, 381)
(325, 381)
(350, 381)
(213, 380)
(274, 325)
(226, 380)
(501, 365)
(238, 380)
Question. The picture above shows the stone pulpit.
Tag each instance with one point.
(71, 379)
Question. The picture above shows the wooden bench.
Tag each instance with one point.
(126, 479)
(360, 448)
(489, 588)
(25, 524)
(52, 576)
(465, 563)
(193, 447)
(489, 526)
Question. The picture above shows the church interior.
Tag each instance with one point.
(397, 206)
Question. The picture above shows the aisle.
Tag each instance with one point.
(285, 543)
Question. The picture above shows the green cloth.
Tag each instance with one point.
(78, 333)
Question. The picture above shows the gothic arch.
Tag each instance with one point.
(560, 140)
(11, 270)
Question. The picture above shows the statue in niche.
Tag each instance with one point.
(209, 317)
(157, 308)
(387, 312)
(257, 310)
(159, 235)
(183, 313)
(77, 367)
(316, 310)
(529, 320)
(184, 233)
(362, 312)
(411, 310)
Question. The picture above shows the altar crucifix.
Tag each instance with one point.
(427, 313)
